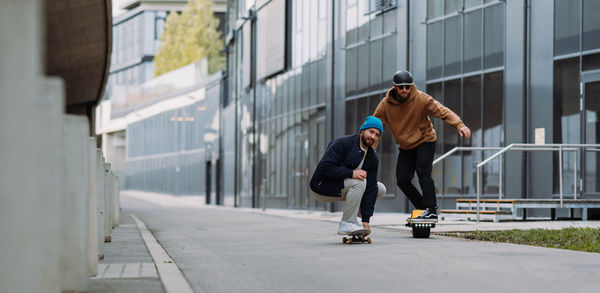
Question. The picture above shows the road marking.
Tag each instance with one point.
(169, 273)
(132, 270)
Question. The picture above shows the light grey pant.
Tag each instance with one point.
(352, 194)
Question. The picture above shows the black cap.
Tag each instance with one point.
(402, 77)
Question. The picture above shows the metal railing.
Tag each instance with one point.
(523, 147)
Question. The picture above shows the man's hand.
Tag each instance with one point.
(465, 131)
(366, 225)
(359, 174)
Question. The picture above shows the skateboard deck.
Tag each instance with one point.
(359, 236)
(420, 228)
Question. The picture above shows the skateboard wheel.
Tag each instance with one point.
(344, 240)
(349, 240)
(369, 240)
(421, 232)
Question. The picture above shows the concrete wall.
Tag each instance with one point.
(540, 116)
(29, 185)
(514, 99)
(46, 208)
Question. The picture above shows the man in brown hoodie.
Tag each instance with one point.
(406, 111)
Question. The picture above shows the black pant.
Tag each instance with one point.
(419, 159)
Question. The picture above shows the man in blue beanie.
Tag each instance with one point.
(348, 172)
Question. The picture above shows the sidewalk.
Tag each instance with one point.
(127, 265)
(381, 220)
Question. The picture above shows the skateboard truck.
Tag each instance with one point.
(359, 236)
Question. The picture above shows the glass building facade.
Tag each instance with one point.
(465, 72)
(303, 72)
(177, 151)
(576, 80)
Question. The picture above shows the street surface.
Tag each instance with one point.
(239, 250)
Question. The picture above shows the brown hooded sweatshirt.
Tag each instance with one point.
(409, 119)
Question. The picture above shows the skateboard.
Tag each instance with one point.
(421, 228)
(359, 236)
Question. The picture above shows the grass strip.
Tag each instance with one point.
(581, 239)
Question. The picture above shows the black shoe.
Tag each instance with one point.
(430, 214)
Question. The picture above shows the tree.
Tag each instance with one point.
(189, 37)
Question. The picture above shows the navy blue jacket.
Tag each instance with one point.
(342, 156)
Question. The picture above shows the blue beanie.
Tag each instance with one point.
(372, 122)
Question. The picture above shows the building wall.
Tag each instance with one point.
(174, 151)
(329, 63)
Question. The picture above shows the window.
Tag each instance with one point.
(494, 36)
(493, 131)
(591, 25)
(472, 41)
(566, 26)
(452, 46)
(434, 47)
(435, 8)
(453, 164)
(378, 6)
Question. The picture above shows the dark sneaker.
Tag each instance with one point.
(430, 214)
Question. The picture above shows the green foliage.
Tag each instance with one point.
(582, 239)
(190, 37)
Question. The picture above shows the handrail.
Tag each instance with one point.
(536, 147)
(523, 147)
(454, 150)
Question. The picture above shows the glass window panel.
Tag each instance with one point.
(452, 102)
(453, 6)
(592, 136)
(472, 118)
(376, 64)
(322, 9)
(493, 132)
(352, 25)
(472, 3)
(452, 46)
(566, 26)
(566, 101)
(435, 8)
(313, 83)
(361, 114)
(389, 62)
(306, 29)
(591, 24)
(363, 68)
(363, 27)
(316, 29)
(590, 62)
(322, 80)
(494, 36)
(566, 116)
(453, 164)
(435, 90)
(385, 151)
(376, 25)
(351, 71)
(322, 41)
(389, 21)
(434, 47)
(305, 86)
(472, 41)
(297, 54)
(350, 116)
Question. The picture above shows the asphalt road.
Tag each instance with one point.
(228, 250)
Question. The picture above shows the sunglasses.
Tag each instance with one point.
(404, 86)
